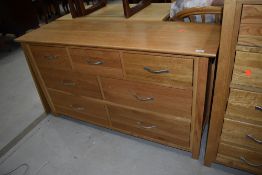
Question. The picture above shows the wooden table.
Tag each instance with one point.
(154, 12)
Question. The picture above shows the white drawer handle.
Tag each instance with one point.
(143, 98)
(254, 139)
(258, 108)
(249, 163)
(68, 83)
(145, 127)
(51, 57)
(156, 71)
(94, 62)
(77, 108)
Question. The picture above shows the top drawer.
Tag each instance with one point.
(97, 62)
(251, 14)
(51, 57)
(170, 71)
(250, 33)
(248, 69)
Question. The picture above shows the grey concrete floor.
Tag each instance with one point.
(59, 146)
(19, 102)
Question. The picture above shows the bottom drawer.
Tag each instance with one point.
(157, 128)
(79, 108)
(240, 158)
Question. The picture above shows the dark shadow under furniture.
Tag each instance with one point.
(16, 16)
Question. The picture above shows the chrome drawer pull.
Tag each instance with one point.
(254, 139)
(258, 108)
(249, 163)
(68, 83)
(77, 108)
(145, 127)
(94, 62)
(156, 71)
(144, 98)
(50, 57)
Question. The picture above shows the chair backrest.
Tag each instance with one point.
(78, 9)
(191, 13)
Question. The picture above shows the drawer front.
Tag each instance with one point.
(171, 101)
(51, 57)
(97, 62)
(79, 108)
(250, 35)
(242, 134)
(171, 71)
(72, 82)
(248, 69)
(158, 128)
(245, 106)
(250, 31)
(240, 158)
(251, 14)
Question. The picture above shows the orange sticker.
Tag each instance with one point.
(181, 30)
(248, 72)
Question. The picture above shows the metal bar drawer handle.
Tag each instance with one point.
(258, 108)
(68, 83)
(145, 127)
(254, 139)
(77, 108)
(144, 98)
(50, 57)
(94, 62)
(249, 163)
(156, 71)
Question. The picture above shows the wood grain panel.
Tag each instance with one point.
(250, 32)
(248, 69)
(153, 126)
(79, 108)
(249, 49)
(78, 84)
(180, 69)
(51, 57)
(97, 62)
(240, 133)
(229, 34)
(243, 106)
(160, 99)
(250, 35)
(160, 37)
(251, 14)
(230, 156)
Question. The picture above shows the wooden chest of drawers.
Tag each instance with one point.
(235, 133)
(147, 89)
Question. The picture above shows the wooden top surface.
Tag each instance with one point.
(153, 12)
(162, 37)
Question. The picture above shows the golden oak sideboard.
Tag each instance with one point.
(235, 133)
(147, 79)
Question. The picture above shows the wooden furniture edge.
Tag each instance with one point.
(39, 83)
(35, 78)
(225, 65)
(184, 54)
(198, 105)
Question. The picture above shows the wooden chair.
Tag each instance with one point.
(191, 13)
(78, 9)
(129, 11)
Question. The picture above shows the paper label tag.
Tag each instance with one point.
(200, 51)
